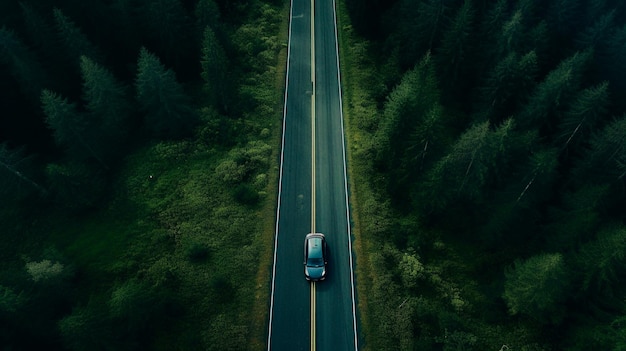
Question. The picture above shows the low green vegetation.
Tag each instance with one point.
(486, 148)
(143, 216)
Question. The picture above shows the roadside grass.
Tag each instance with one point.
(260, 313)
(355, 103)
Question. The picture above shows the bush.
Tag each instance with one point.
(245, 194)
(196, 252)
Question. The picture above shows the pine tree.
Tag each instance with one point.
(506, 87)
(418, 28)
(556, 91)
(167, 28)
(23, 64)
(514, 212)
(597, 34)
(490, 29)
(214, 70)
(602, 263)
(600, 163)
(73, 40)
(511, 35)
(463, 171)
(537, 287)
(411, 123)
(563, 17)
(107, 104)
(71, 129)
(208, 14)
(166, 107)
(585, 113)
(39, 31)
(456, 48)
(17, 175)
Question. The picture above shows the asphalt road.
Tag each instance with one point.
(290, 326)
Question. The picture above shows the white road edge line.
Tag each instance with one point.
(313, 335)
(280, 182)
(345, 177)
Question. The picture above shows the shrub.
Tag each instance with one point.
(246, 194)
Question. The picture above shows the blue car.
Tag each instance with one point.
(315, 257)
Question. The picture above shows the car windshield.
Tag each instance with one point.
(315, 262)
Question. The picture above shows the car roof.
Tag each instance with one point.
(314, 246)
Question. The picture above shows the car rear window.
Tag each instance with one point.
(315, 248)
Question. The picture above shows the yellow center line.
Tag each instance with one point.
(313, 117)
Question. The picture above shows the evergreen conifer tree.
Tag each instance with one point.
(537, 287)
(23, 64)
(546, 103)
(214, 69)
(166, 107)
(73, 40)
(107, 104)
(71, 129)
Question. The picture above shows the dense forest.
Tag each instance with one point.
(492, 135)
(134, 157)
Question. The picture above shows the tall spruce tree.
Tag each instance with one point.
(456, 50)
(73, 40)
(601, 162)
(17, 179)
(166, 107)
(214, 70)
(601, 262)
(71, 129)
(169, 31)
(537, 287)
(108, 105)
(23, 64)
(557, 90)
(585, 113)
(506, 87)
(411, 123)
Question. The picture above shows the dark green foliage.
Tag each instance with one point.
(456, 49)
(513, 148)
(214, 70)
(23, 64)
(73, 41)
(602, 262)
(107, 103)
(196, 252)
(72, 129)
(75, 186)
(246, 194)
(166, 107)
(586, 112)
(81, 112)
(410, 133)
(418, 26)
(87, 328)
(506, 87)
(536, 287)
(222, 289)
(553, 93)
(17, 175)
(169, 32)
(603, 161)
(597, 33)
(478, 159)
(208, 15)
